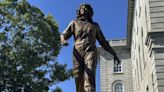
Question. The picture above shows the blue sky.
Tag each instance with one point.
(111, 15)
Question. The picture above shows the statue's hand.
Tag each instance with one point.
(116, 60)
(63, 41)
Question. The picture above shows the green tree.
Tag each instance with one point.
(29, 43)
(57, 89)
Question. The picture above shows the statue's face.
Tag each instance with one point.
(84, 10)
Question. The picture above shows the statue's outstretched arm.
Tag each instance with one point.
(105, 44)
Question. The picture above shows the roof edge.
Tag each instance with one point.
(131, 5)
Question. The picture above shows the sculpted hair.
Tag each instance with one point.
(89, 15)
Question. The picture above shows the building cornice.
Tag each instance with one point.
(119, 46)
(131, 5)
(154, 42)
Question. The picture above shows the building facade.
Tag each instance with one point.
(145, 39)
(113, 77)
(142, 53)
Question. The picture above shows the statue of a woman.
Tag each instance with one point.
(85, 32)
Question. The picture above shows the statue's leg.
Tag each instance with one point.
(89, 72)
(79, 84)
(78, 71)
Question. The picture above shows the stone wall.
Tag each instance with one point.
(107, 76)
(147, 45)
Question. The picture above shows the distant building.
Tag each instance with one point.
(113, 77)
(142, 55)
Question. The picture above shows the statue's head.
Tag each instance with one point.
(85, 11)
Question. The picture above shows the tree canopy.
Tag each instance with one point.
(29, 45)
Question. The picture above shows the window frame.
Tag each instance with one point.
(115, 83)
(117, 67)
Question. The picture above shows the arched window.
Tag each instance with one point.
(118, 86)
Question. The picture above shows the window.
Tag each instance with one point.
(143, 55)
(152, 78)
(117, 67)
(139, 8)
(140, 12)
(146, 18)
(118, 86)
(147, 89)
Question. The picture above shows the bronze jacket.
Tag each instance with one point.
(85, 35)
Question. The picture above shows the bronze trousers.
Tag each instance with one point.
(84, 70)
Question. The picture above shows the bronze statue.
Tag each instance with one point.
(85, 32)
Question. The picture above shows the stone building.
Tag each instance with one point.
(145, 38)
(142, 55)
(113, 77)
